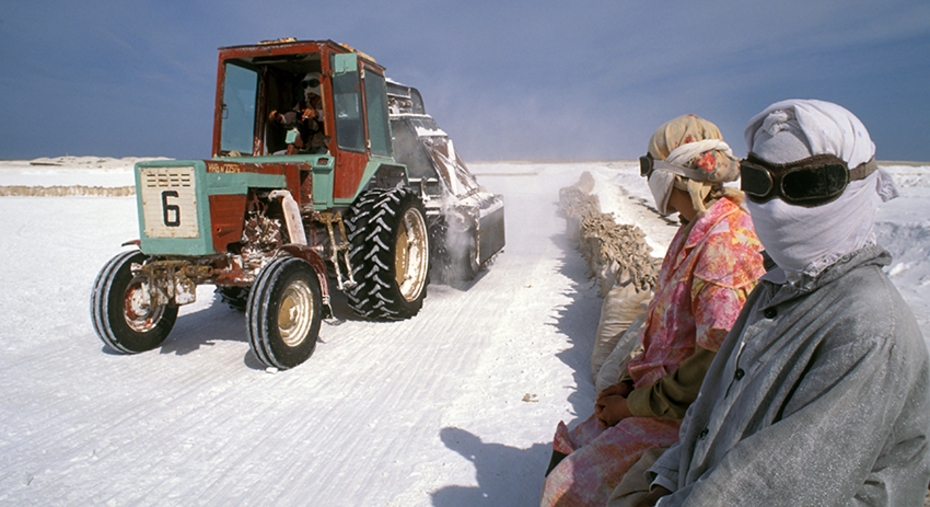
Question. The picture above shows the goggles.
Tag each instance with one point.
(310, 83)
(808, 182)
(648, 165)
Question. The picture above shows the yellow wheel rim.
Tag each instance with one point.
(295, 314)
(411, 260)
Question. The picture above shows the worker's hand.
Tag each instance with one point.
(619, 389)
(611, 409)
(653, 497)
(272, 116)
(307, 113)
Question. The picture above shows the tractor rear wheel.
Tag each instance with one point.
(235, 297)
(117, 307)
(284, 312)
(390, 254)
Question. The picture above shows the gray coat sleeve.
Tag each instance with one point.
(857, 422)
(665, 469)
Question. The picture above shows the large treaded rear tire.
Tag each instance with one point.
(119, 319)
(236, 297)
(284, 312)
(390, 254)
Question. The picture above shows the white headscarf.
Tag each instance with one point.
(692, 148)
(315, 89)
(678, 161)
(806, 240)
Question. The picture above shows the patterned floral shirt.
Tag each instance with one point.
(711, 267)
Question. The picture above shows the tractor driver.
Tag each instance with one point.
(304, 122)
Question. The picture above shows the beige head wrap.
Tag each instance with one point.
(696, 145)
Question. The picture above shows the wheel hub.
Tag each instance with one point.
(411, 260)
(295, 314)
(140, 316)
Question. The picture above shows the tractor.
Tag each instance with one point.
(323, 172)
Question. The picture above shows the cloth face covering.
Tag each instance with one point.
(806, 240)
(661, 184)
(310, 85)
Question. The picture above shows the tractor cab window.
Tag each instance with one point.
(350, 132)
(238, 120)
(379, 131)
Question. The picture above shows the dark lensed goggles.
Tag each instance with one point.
(646, 165)
(310, 83)
(808, 182)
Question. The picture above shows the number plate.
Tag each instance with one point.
(169, 202)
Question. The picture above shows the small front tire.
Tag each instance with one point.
(284, 312)
(122, 320)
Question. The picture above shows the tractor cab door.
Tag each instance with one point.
(350, 126)
(379, 128)
(362, 127)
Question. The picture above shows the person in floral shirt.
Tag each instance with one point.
(711, 266)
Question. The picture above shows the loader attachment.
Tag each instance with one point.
(490, 230)
(467, 220)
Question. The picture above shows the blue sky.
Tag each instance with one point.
(506, 79)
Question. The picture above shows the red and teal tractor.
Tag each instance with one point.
(323, 173)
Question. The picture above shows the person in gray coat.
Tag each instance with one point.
(820, 394)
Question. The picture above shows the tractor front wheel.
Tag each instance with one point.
(119, 310)
(283, 313)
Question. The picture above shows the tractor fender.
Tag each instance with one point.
(383, 175)
(312, 257)
(295, 226)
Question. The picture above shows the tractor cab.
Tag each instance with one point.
(310, 98)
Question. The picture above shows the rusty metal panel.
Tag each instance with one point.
(227, 212)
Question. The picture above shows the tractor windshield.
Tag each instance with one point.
(238, 127)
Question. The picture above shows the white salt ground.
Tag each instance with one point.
(455, 407)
